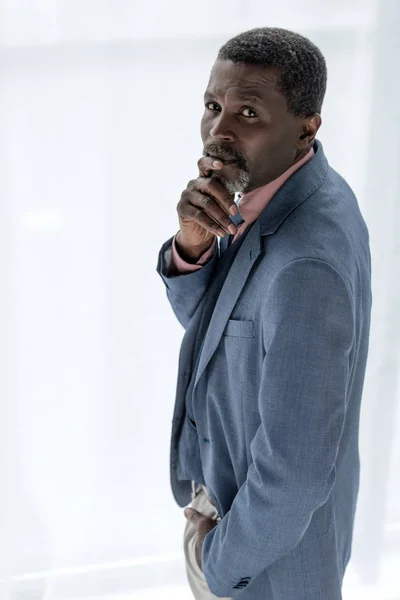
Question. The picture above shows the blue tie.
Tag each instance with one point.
(237, 219)
(227, 240)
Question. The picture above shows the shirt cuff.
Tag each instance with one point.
(184, 267)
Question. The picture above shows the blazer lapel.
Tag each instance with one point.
(230, 292)
(302, 184)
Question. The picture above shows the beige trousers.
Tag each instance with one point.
(197, 582)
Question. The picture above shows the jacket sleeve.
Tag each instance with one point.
(182, 267)
(184, 291)
(308, 334)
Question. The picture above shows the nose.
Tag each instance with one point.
(222, 129)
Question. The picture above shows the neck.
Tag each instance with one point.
(302, 153)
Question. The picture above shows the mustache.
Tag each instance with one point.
(225, 153)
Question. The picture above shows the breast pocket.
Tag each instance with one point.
(239, 329)
(239, 351)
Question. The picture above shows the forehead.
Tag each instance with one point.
(243, 80)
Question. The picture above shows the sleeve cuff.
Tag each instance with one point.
(183, 267)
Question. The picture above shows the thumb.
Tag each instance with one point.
(193, 515)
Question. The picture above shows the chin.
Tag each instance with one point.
(240, 185)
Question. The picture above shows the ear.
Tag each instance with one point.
(308, 131)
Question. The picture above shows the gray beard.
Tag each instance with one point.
(240, 185)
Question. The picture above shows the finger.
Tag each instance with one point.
(202, 523)
(214, 210)
(193, 516)
(206, 164)
(200, 217)
(215, 189)
(204, 526)
(206, 212)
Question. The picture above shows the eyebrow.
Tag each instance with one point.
(252, 97)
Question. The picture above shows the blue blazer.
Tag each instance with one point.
(278, 390)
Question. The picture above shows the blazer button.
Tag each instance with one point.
(206, 440)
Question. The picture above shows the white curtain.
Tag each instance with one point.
(100, 103)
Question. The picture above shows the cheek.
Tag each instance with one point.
(276, 146)
(258, 153)
(205, 126)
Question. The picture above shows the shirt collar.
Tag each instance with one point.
(252, 204)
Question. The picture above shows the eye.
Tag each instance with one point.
(213, 106)
(250, 113)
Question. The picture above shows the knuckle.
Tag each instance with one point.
(206, 201)
(181, 204)
(228, 198)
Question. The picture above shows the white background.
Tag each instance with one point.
(100, 104)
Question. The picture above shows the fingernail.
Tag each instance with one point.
(187, 512)
(232, 229)
(216, 163)
(233, 210)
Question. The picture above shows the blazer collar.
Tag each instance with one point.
(294, 191)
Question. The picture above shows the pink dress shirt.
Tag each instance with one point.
(250, 206)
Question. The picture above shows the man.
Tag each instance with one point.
(277, 316)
